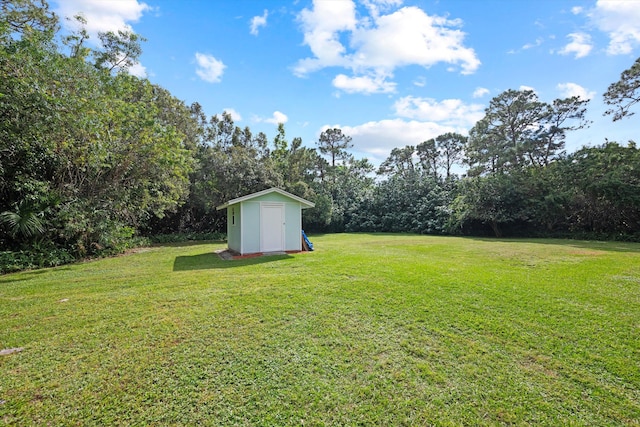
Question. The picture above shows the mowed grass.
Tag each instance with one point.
(370, 329)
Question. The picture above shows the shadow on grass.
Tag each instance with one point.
(211, 261)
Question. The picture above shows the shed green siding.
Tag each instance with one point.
(277, 210)
(234, 225)
(272, 197)
(251, 227)
(293, 226)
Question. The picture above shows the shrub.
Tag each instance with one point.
(186, 237)
(37, 257)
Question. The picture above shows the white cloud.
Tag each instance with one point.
(580, 45)
(419, 119)
(209, 68)
(537, 43)
(524, 87)
(277, 118)
(373, 46)
(576, 10)
(322, 27)
(420, 82)
(378, 138)
(138, 70)
(480, 92)
(568, 90)
(451, 112)
(365, 84)
(621, 21)
(409, 36)
(377, 6)
(259, 21)
(103, 16)
(233, 113)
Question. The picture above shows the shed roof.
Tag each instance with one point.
(305, 203)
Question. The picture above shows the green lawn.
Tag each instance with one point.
(369, 329)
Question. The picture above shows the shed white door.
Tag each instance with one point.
(272, 227)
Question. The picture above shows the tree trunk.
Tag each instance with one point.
(495, 228)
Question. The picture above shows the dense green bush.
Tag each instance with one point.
(38, 257)
(44, 254)
(185, 237)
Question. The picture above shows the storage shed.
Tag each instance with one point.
(266, 221)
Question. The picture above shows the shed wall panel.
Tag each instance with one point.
(293, 226)
(234, 226)
(251, 227)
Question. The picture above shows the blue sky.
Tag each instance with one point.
(390, 73)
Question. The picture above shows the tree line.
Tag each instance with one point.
(92, 158)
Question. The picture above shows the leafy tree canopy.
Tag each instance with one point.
(624, 93)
